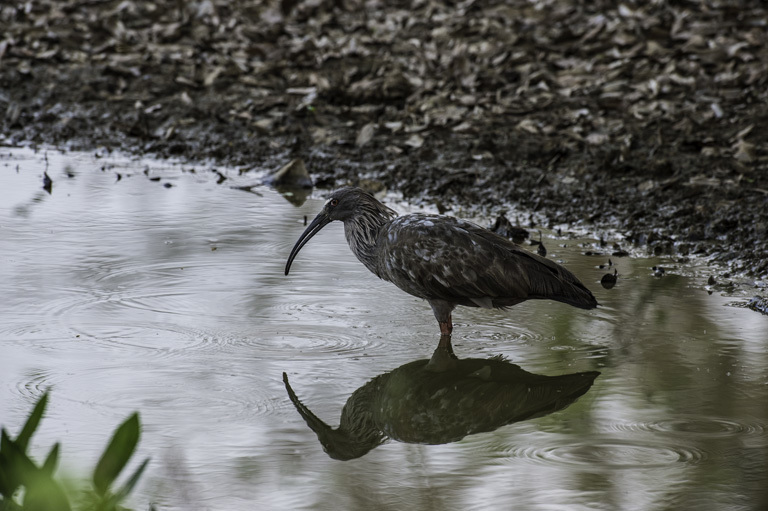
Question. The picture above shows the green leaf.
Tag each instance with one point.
(8, 477)
(32, 422)
(128, 486)
(117, 454)
(16, 468)
(49, 467)
(43, 493)
(111, 502)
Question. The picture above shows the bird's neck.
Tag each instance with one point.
(362, 233)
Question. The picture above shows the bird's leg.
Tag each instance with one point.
(443, 358)
(446, 327)
(442, 310)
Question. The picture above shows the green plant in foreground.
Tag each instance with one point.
(41, 491)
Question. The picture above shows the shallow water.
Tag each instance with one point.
(167, 296)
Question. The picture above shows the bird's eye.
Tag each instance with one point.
(334, 202)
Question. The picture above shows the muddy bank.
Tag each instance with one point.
(647, 119)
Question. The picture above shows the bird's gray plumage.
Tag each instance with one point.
(445, 260)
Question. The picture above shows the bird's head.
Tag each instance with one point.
(339, 444)
(345, 204)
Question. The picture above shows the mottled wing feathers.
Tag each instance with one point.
(437, 257)
(549, 280)
(434, 258)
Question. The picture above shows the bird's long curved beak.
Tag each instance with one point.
(312, 420)
(321, 220)
(337, 443)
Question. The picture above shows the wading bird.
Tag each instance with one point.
(444, 260)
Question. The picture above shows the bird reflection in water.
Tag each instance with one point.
(441, 400)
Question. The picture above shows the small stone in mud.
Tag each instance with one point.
(608, 280)
(658, 271)
(503, 227)
(759, 304)
(711, 281)
(167, 185)
(47, 183)
(620, 253)
(291, 175)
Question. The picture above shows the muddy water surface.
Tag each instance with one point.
(141, 285)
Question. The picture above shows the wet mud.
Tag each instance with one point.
(648, 119)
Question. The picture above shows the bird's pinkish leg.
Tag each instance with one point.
(446, 327)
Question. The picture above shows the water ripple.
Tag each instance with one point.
(156, 339)
(511, 334)
(612, 453)
(34, 385)
(101, 386)
(695, 425)
(315, 343)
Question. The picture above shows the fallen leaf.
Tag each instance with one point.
(366, 134)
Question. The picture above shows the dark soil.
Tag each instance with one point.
(647, 117)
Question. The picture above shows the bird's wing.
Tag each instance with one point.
(437, 257)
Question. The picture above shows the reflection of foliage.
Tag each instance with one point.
(42, 491)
